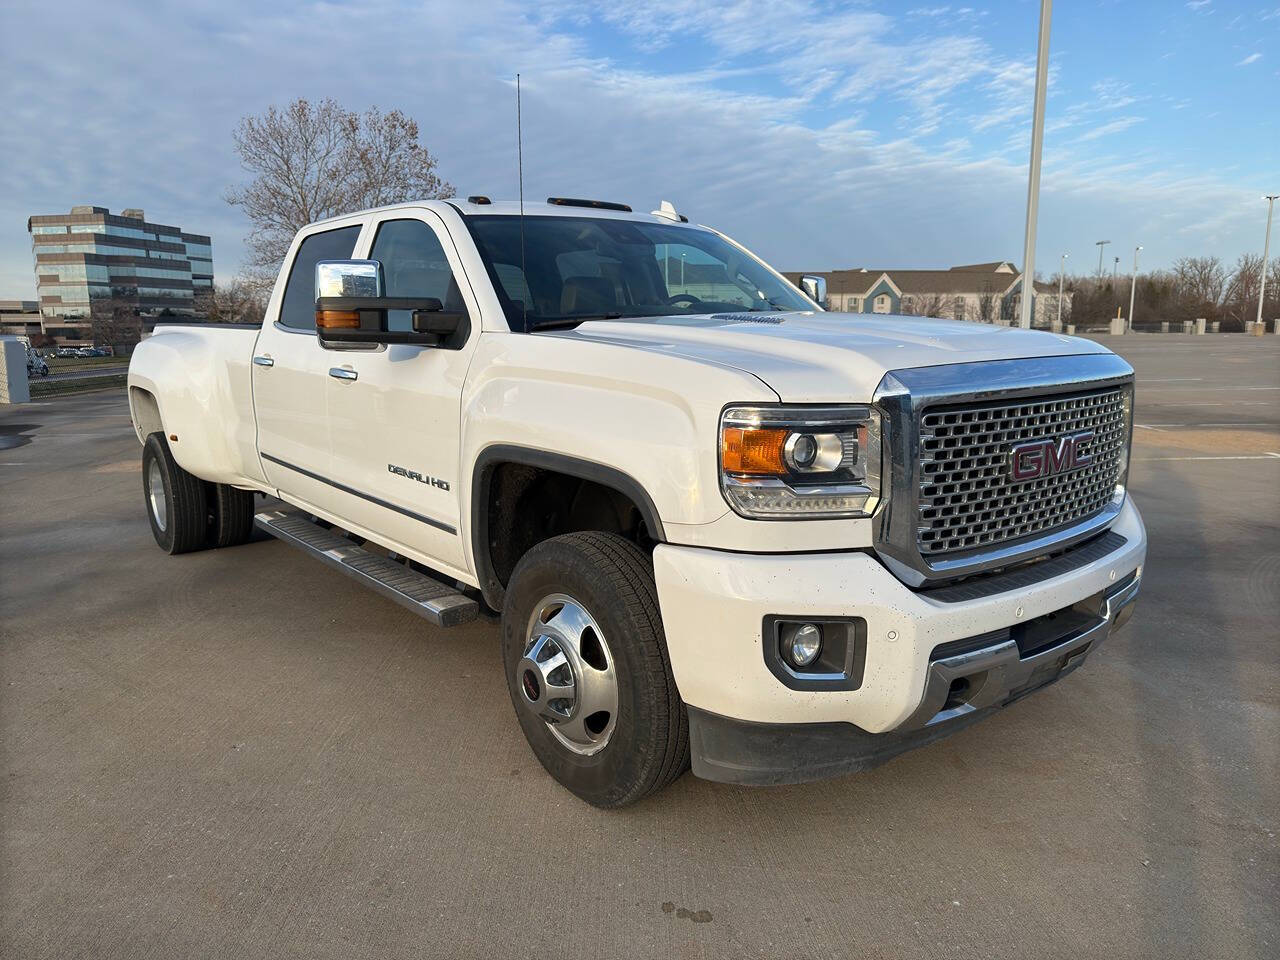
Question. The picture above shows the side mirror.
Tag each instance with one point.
(815, 288)
(351, 311)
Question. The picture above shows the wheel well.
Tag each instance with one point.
(518, 505)
(146, 413)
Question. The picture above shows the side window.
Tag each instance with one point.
(414, 265)
(298, 310)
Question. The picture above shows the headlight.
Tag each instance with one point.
(1122, 471)
(800, 462)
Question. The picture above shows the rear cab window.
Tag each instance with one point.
(298, 306)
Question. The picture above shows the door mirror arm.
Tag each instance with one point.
(354, 322)
(351, 311)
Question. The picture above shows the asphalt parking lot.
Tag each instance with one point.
(240, 753)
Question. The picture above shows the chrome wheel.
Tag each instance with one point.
(566, 674)
(155, 495)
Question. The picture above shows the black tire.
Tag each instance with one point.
(230, 515)
(613, 578)
(185, 508)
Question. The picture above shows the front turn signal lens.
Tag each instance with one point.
(753, 450)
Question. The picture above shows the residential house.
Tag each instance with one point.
(977, 292)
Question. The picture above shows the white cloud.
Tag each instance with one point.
(1251, 58)
(1198, 4)
(1114, 126)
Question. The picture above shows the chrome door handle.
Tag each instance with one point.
(263, 361)
(342, 373)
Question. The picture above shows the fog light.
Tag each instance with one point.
(801, 643)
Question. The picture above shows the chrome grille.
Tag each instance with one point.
(967, 498)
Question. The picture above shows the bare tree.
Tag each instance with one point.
(1200, 280)
(240, 301)
(986, 305)
(1271, 306)
(925, 305)
(311, 161)
(1241, 300)
(115, 322)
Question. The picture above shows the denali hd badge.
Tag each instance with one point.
(1044, 458)
(421, 478)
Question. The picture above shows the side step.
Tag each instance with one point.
(442, 605)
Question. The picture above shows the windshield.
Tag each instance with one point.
(580, 268)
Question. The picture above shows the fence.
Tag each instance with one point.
(53, 386)
(79, 375)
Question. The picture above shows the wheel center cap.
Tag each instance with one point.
(531, 688)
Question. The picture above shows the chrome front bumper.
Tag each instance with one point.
(998, 673)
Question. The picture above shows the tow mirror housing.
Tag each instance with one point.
(815, 288)
(351, 310)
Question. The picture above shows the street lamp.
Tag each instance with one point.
(1062, 269)
(1033, 175)
(1266, 252)
(1133, 285)
(1101, 244)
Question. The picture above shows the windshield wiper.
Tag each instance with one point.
(568, 322)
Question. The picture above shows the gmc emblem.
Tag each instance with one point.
(1044, 458)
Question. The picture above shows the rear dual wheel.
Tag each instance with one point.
(187, 513)
(230, 516)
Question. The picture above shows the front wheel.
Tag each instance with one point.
(176, 504)
(587, 669)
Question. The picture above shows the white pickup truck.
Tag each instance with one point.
(722, 526)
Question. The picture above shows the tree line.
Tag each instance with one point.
(1193, 287)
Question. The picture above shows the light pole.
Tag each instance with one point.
(1266, 252)
(1133, 285)
(682, 286)
(1062, 269)
(1115, 272)
(1033, 176)
(1101, 244)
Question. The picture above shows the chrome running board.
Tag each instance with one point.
(439, 603)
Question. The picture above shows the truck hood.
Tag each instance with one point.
(828, 357)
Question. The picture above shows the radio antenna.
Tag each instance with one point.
(520, 176)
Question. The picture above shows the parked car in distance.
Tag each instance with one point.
(723, 526)
(36, 366)
(86, 352)
(67, 352)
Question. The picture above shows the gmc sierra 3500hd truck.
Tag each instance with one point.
(722, 526)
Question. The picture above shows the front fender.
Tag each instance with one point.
(646, 424)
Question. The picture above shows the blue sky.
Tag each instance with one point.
(820, 134)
